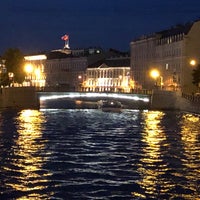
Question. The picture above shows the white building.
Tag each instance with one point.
(34, 68)
(109, 75)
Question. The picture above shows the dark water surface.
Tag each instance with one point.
(89, 154)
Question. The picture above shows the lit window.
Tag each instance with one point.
(167, 66)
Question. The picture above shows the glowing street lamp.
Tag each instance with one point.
(79, 77)
(11, 77)
(28, 68)
(80, 82)
(193, 62)
(154, 74)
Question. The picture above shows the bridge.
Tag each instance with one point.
(90, 99)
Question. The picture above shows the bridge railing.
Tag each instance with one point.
(57, 89)
(141, 91)
(192, 98)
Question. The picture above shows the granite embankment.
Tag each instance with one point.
(18, 98)
(27, 98)
(169, 100)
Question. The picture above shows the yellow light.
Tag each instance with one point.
(26, 148)
(28, 68)
(193, 62)
(154, 73)
(37, 73)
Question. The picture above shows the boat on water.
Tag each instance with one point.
(110, 105)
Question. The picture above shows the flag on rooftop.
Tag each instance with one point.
(65, 37)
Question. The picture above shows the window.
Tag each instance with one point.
(166, 66)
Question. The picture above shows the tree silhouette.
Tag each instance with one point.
(14, 62)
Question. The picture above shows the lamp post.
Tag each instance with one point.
(155, 74)
(196, 73)
(79, 82)
(11, 78)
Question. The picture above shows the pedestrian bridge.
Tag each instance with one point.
(90, 98)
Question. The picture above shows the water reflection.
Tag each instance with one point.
(151, 166)
(88, 154)
(190, 135)
(28, 148)
(169, 167)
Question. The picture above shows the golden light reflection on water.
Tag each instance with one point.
(157, 176)
(28, 147)
(151, 166)
(190, 136)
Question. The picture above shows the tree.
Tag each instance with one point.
(14, 62)
(196, 75)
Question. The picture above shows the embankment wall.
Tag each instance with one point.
(19, 98)
(169, 100)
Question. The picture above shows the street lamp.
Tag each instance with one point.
(155, 74)
(193, 62)
(11, 78)
(79, 82)
(196, 69)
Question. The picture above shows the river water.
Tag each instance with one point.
(88, 154)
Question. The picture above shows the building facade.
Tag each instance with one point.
(109, 75)
(34, 68)
(170, 52)
(89, 69)
(65, 69)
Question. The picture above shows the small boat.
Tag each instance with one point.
(110, 105)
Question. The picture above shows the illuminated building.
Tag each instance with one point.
(75, 70)
(65, 69)
(109, 75)
(170, 52)
(62, 69)
(34, 68)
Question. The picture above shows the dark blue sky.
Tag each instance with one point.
(37, 25)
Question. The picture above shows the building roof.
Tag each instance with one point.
(174, 30)
(57, 55)
(112, 62)
(178, 29)
(71, 53)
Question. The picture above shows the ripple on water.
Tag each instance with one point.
(88, 154)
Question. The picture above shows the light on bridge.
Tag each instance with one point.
(94, 95)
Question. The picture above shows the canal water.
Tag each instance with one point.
(88, 154)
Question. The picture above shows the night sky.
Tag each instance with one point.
(37, 25)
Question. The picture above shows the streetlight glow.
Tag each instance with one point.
(154, 73)
(193, 62)
(28, 68)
